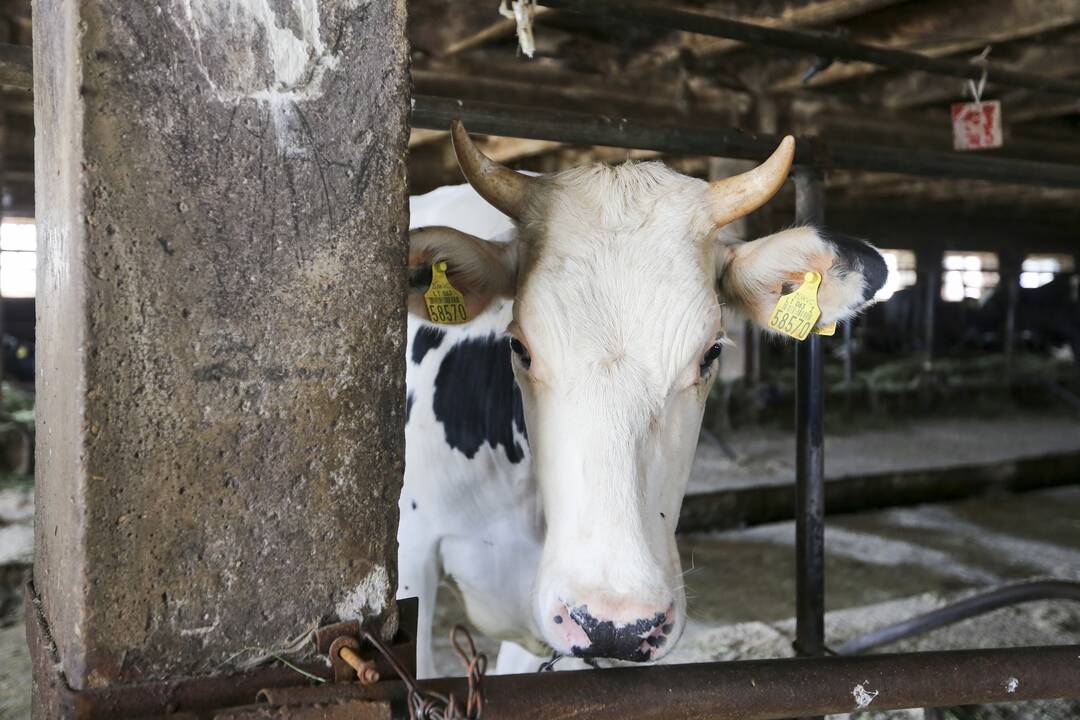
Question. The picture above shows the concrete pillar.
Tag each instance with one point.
(221, 320)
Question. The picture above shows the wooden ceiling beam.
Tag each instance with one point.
(916, 130)
(689, 103)
(498, 29)
(955, 27)
(820, 12)
(1054, 57)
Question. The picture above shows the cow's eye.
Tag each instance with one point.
(710, 357)
(521, 351)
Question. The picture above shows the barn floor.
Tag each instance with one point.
(882, 567)
(766, 456)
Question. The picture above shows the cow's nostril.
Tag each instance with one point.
(634, 641)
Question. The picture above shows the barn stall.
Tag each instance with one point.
(209, 212)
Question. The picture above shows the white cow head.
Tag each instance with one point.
(620, 284)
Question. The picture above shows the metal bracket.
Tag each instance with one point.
(352, 659)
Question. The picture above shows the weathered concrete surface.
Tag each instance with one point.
(221, 194)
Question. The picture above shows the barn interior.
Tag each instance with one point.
(952, 406)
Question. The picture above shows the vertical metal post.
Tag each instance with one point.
(849, 364)
(1010, 264)
(809, 453)
(753, 354)
(929, 264)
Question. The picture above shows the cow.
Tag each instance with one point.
(549, 439)
(1047, 317)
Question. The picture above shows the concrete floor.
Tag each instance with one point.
(766, 456)
(882, 566)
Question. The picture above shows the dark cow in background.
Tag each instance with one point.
(1047, 318)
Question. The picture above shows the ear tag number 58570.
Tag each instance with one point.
(797, 312)
(445, 305)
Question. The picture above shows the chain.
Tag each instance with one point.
(436, 706)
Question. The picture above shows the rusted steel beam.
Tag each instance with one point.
(817, 44)
(751, 690)
(487, 118)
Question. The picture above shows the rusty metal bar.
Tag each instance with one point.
(751, 690)
(812, 43)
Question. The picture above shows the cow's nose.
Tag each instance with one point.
(637, 640)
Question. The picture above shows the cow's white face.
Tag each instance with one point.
(617, 326)
(618, 278)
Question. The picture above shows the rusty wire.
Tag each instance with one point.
(436, 706)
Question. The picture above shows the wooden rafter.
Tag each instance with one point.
(954, 27)
(820, 12)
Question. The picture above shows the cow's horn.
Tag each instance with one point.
(498, 184)
(743, 194)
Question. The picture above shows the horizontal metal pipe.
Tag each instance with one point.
(751, 690)
(809, 42)
(967, 608)
(578, 128)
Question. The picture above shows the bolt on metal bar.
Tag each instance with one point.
(817, 44)
(583, 129)
(962, 610)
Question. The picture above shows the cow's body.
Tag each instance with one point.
(596, 320)
(469, 508)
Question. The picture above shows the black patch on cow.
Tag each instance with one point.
(859, 256)
(413, 504)
(427, 338)
(607, 640)
(409, 400)
(477, 399)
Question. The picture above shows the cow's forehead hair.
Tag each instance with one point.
(616, 198)
(616, 263)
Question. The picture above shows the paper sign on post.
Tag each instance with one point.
(976, 125)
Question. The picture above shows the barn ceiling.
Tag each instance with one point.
(465, 49)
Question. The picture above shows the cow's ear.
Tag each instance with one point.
(753, 275)
(481, 270)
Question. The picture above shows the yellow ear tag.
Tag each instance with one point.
(796, 312)
(445, 305)
(829, 329)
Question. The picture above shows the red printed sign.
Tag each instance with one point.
(976, 126)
